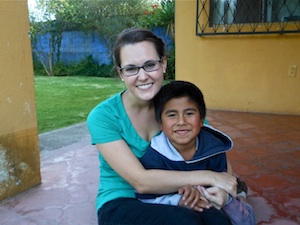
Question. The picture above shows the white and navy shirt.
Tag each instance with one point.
(211, 145)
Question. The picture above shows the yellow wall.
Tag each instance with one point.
(238, 72)
(19, 147)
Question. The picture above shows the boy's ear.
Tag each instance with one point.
(161, 127)
(202, 122)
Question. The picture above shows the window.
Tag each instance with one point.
(247, 16)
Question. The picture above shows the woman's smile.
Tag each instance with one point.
(144, 86)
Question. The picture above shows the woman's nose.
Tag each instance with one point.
(142, 74)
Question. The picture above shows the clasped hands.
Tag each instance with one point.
(199, 198)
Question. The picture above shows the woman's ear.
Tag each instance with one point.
(164, 63)
(120, 74)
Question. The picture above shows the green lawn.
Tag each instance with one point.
(63, 101)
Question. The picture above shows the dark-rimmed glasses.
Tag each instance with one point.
(149, 66)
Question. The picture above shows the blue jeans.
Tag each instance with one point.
(128, 211)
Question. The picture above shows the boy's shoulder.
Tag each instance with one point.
(209, 131)
(162, 145)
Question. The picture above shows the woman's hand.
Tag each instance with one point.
(226, 182)
(192, 198)
(216, 196)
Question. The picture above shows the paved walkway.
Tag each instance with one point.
(266, 155)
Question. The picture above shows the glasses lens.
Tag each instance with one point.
(151, 66)
(130, 71)
(134, 70)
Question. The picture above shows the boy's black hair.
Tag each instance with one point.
(178, 89)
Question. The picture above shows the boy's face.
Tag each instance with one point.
(181, 121)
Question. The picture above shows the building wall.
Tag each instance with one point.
(238, 72)
(19, 147)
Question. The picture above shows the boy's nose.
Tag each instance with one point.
(181, 120)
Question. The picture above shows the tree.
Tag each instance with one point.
(106, 17)
(55, 17)
(159, 15)
(162, 15)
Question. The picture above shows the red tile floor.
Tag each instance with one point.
(266, 155)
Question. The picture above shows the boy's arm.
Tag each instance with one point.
(170, 199)
(187, 196)
(239, 212)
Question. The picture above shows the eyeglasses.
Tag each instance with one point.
(149, 66)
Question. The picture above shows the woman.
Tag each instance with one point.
(122, 126)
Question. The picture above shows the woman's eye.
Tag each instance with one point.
(130, 69)
(149, 65)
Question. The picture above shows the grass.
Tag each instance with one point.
(63, 101)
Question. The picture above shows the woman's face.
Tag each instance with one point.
(144, 85)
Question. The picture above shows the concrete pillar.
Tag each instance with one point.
(19, 146)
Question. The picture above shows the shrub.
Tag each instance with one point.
(89, 67)
(86, 67)
(170, 73)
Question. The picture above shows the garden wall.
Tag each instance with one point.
(78, 45)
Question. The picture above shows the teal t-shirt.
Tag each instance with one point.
(109, 122)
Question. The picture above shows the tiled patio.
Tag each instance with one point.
(266, 155)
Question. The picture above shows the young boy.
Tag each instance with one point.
(186, 144)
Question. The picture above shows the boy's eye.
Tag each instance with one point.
(190, 113)
(171, 115)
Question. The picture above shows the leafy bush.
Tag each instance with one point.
(37, 66)
(62, 69)
(170, 73)
(107, 70)
(159, 16)
(86, 67)
(162, 16)
(90, 67)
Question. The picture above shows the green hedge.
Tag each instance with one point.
(89, 67)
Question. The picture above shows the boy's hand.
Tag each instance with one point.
(216, 196)
(192, 198)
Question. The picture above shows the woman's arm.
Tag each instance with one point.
(125, 163)
(229, 167)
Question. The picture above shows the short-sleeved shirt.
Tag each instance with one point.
(109, 122)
